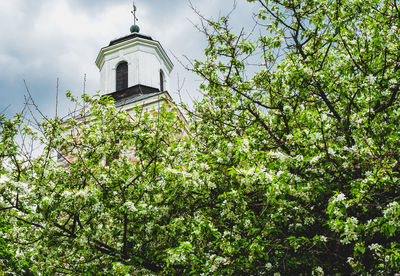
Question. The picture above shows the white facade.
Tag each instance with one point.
(145, 58)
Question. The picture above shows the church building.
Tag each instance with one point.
(135, 71)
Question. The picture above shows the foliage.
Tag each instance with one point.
(293, 170)
(4, 253)
(7, 262)
(97, 208)
(303, 155)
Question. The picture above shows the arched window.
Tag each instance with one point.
(161, 80)
(122, 76)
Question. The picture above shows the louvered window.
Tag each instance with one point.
(122, 76)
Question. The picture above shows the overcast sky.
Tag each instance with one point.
(43, 40)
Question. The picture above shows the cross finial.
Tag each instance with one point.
(134, 13)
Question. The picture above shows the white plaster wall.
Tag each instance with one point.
(148, 104)
(144, 64)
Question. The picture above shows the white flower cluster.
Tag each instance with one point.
(278, 155)
(338, 198)
(350, 230)
(318, 271)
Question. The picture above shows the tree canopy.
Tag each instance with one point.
(291, 166)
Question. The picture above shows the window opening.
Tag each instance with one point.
(122, 76)
(161, 80)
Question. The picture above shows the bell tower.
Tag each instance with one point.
(133, 66)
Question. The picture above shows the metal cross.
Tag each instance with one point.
(134, 12)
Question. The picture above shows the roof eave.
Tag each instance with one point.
(100, 57)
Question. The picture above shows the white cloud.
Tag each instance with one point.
(46, 39)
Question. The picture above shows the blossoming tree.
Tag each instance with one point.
(84, 214)
(293, 169)
(301, 159)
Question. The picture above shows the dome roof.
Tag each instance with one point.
(135, 29)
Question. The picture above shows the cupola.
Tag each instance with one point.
(134, 64)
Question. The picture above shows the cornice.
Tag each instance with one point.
(133, 42)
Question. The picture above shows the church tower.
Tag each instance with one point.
(134, 68)
(135, 71)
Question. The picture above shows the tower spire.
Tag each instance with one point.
(134, 28)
